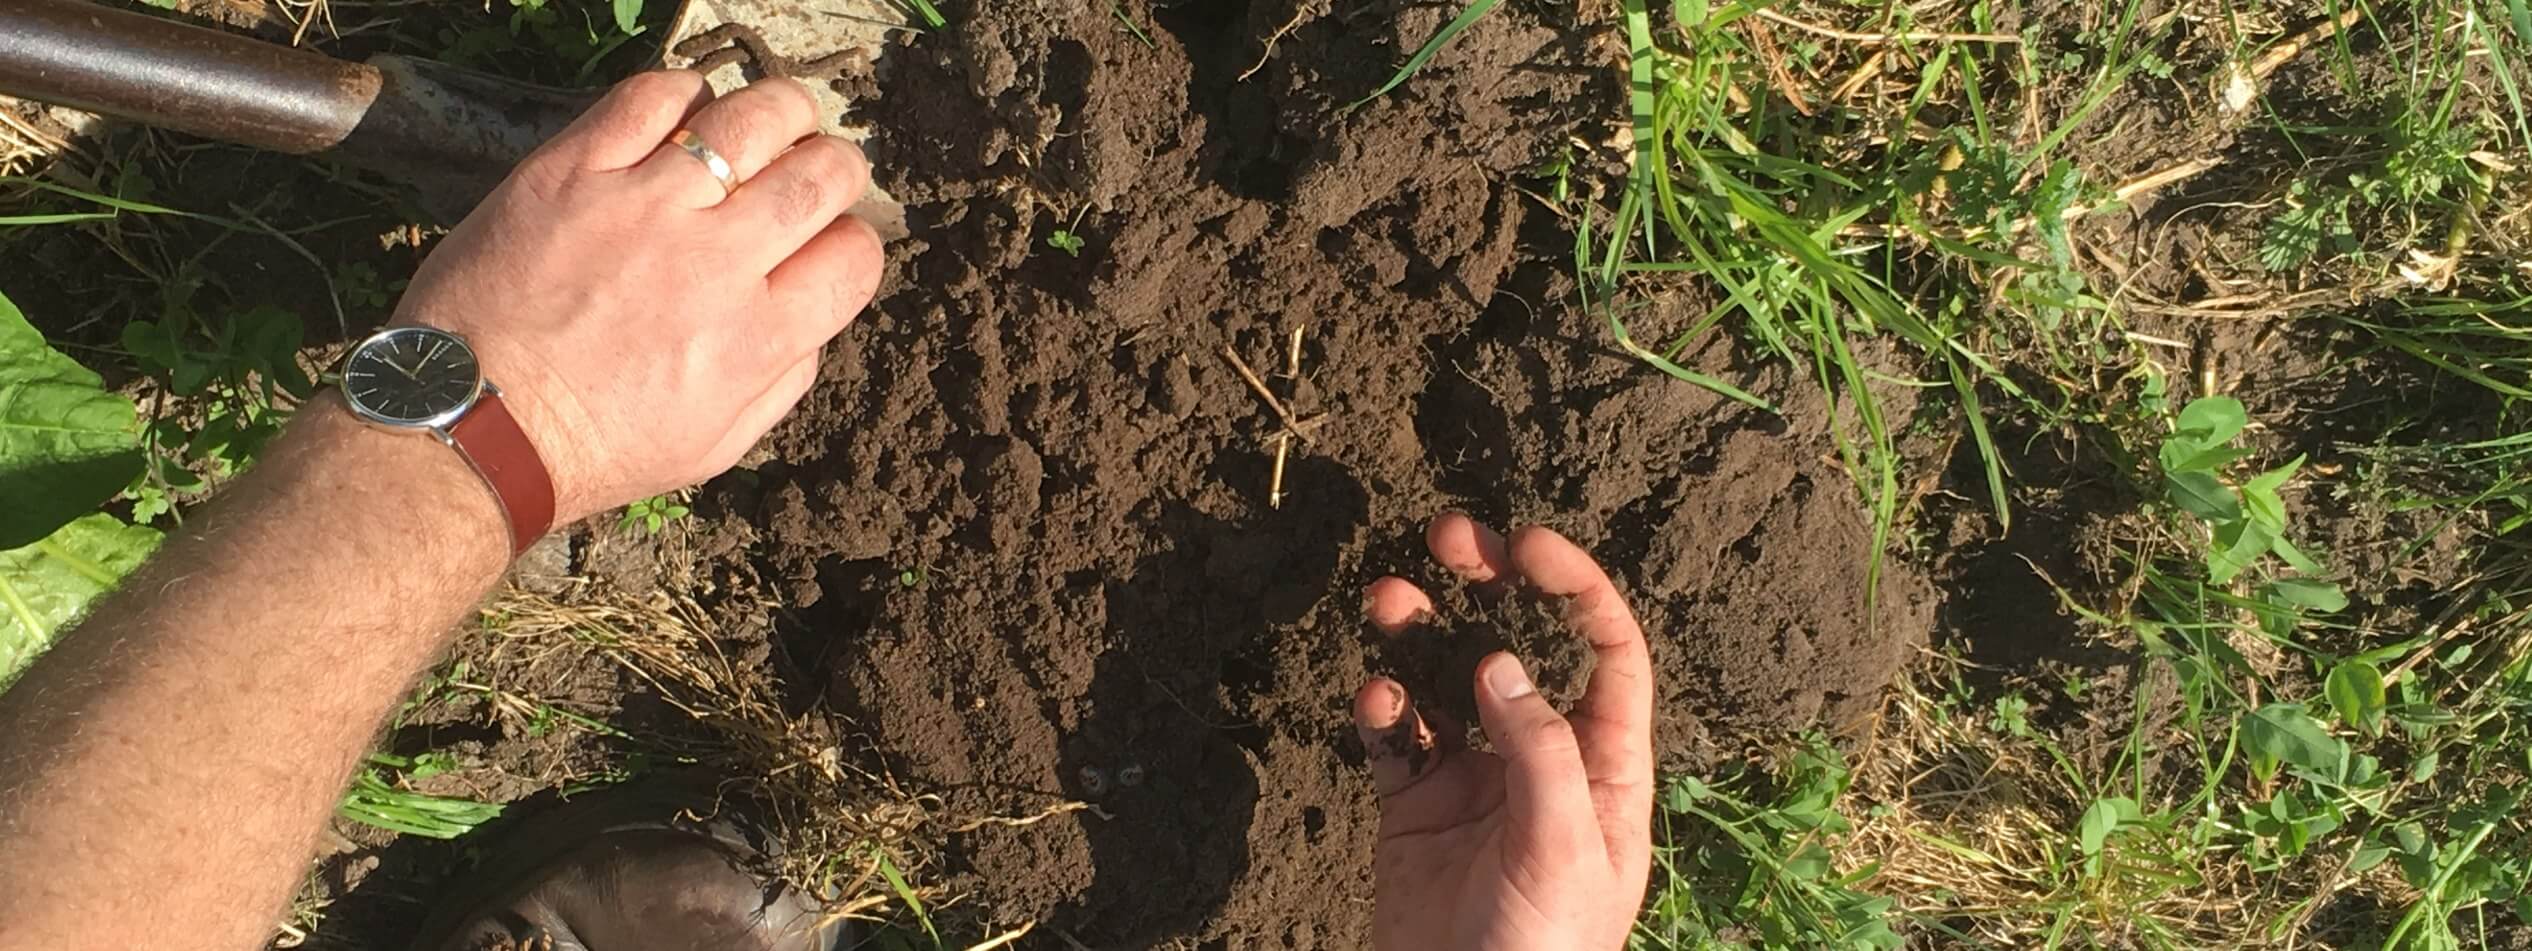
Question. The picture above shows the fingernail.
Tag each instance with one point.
(1509, 681)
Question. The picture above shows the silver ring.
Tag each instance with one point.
(712, 161)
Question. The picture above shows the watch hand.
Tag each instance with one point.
(408, 374)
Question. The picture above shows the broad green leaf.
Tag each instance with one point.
(2260, 494)
(46, 585)
(2355, 690)
(2309, 595)
(2203, 495)
(2274, 479)
(2213, 420)
(1807, 864)
(2288, 734)
(2238, 547)
(2367, 856)
(2424, 768)
(2295, 557)
(66, 444)
(2182, 455)
(628, 16)
(2101, 819)
(1688, 13)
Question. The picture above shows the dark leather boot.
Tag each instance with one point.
(624, 873)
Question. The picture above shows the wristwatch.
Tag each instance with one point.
(424, 379)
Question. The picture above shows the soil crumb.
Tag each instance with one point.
(1025, 521)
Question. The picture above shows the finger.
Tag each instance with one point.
(747, 128)
(1470, 550)
(1395, 605)
(631, 120)
(826, 283)
(799, 195)
(769, 407)
(1396, 743)
(1614, 718)
(1545, 789)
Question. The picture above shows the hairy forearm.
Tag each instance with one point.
(164, 768)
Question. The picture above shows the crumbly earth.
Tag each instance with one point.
(1026, 519)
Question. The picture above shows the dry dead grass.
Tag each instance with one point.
(838, 825)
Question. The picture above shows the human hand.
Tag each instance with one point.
(646, 328)
(1546, 842)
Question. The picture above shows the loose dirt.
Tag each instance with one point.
(1025, 521)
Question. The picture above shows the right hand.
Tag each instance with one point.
(646, 328)
(1546, 842)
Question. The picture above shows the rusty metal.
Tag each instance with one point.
(175, 76)
(452, 132)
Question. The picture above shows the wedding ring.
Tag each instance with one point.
(712, 161)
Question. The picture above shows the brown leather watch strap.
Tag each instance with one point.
(492, 442)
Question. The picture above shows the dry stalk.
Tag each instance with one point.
(1852, 36)
(1283, 440)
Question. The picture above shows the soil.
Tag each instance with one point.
(1026, 519)
(1024, 528)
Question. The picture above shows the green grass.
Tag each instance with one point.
(1467, 17)
(2318, 741)
(2330, 758)
(379, 798)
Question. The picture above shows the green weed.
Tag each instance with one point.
(1746, 862)
(378, 798)
(649, 516)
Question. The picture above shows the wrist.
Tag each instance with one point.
(389, 488)
(540, 407)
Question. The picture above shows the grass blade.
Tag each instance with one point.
(932, 18)
(1467, 18)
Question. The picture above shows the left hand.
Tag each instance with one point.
(1545, 843)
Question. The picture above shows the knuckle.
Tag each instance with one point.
(795, 94)
(1548, 735)
(659, 88)
(797, 198)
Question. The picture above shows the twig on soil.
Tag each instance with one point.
(1271, 39)
(34, 136)
(2126, 193)
(2150, 181)
(1005, 938)
(1258, 384)
(1766, 43)
(1863, 74)
(1913, 37)
(1283, 440)
(1058, 809)
(2242, 84)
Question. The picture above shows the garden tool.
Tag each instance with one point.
(452, 133)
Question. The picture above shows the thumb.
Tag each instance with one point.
(1545, 788)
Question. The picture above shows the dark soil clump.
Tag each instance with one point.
(1026, 519)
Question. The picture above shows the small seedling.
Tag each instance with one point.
(1068, 240)
(2246, 524)
(650, 515)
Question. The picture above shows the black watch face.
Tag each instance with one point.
(411, 376)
